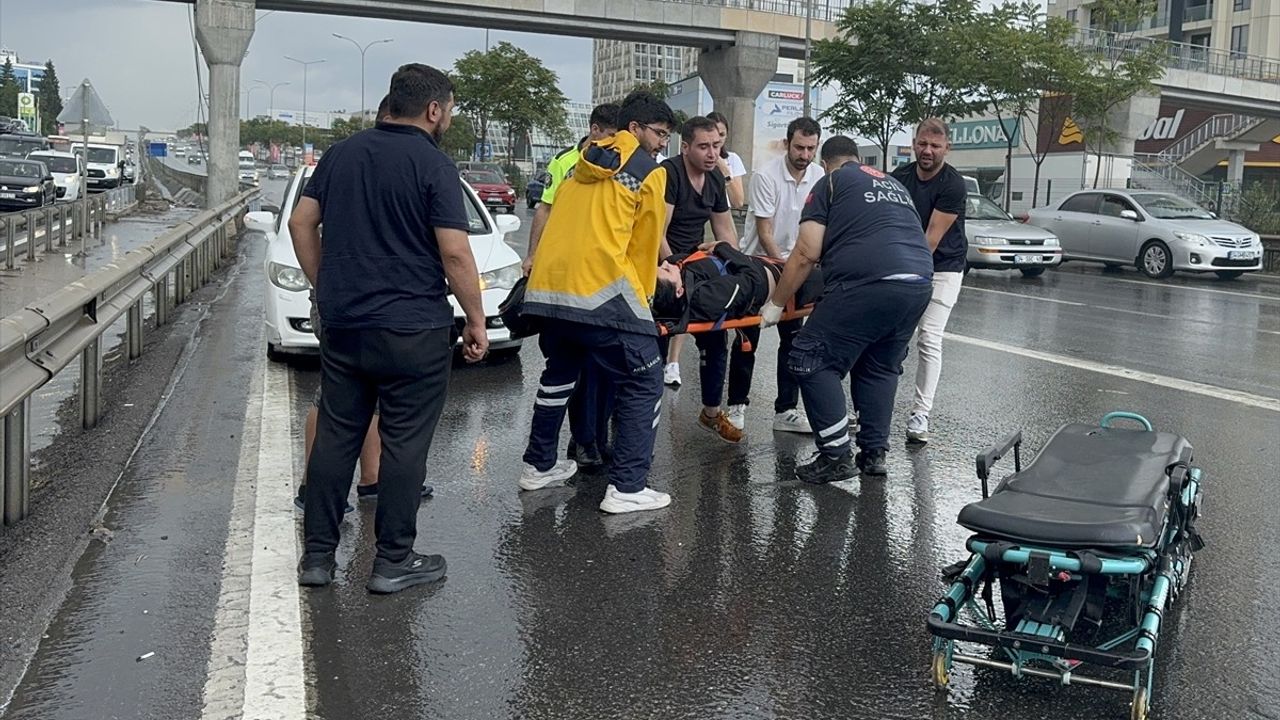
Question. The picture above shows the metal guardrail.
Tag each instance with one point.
(1226, 126)
(38, 342)
(1271, 254)
(1183, 56)
(61, 222)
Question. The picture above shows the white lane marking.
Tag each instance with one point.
(1165, 286)
(275, 674)
(1212, 391)
(1108, 308)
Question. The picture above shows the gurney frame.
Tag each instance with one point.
(1154, 578)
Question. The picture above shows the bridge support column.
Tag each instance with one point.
(1235, 169)
(223, 29)
(1129, 119)
(735, 76)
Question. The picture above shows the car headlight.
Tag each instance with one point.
(504, 278)
(1257, 240)
(1051, 242)
(287, 277)
(31, 189)
(1193, 238)
(988, 240)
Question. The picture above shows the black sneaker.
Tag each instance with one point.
(300, 501)
(872, 462)
(587, 456)
(371, 491)
(415, 569)
(824, 469)
(316, 569)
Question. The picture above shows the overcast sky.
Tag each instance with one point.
(138, 55)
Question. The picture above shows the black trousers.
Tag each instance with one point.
(406, 374)
(742, 366)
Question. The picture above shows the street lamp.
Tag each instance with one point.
(271, 102)
(808, 50)
(305, 65)
(248, 94)
(362, 50)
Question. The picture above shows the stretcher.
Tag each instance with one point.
(1089, 544)
(790, 312)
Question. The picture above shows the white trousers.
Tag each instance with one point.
(946, 289)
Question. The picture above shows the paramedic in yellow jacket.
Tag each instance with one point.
(591, 284)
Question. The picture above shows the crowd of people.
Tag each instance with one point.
(628, 252)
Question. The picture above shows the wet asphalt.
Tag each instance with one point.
(752, 596)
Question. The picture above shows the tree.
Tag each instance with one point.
(508, 86)
(459, 140)
(343, 128)
(49, 100)
(1119, 66)
(891, 75)
(194, 129)
(8, 90)
(659, 88)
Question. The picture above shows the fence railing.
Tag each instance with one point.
(1181, 182)
(1183, 56)
(1226, 125)
(38, 342)
(61, 223)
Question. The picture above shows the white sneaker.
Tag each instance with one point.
(737, 416)
(671, 374)
(532, 479)
(619, 502)
(918, 428)
(792, 420)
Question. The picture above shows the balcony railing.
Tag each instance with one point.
(1183, 56)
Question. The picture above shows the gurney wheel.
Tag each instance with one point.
(941, 677)
(1138, 711)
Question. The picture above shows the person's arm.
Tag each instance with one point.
(764, 203)
(718, 297)
(939, 223)
(304, 229)
(536, 227)
(764, 231)
(949, 206)
(732, 184)
(807, 253)
(722, 228)
(464, 281)
(665, 247)
(734, 259)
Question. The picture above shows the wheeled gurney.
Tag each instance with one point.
(1089, 544)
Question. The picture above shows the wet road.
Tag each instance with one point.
(752, 596)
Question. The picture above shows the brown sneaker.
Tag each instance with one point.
(720, 425)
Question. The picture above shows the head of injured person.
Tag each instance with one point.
(668, 295)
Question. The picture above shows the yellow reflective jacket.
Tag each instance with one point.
(597, 261)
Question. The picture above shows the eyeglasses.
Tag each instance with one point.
(662, 134)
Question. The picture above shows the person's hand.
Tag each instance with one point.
(475, 341)
(527, 266)
(706, 246)
(770, 314)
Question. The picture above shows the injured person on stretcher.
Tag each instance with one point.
(705, 289)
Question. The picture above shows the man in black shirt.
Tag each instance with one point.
(862, 226)
(696, 196)
(939, 194)
(395, 229)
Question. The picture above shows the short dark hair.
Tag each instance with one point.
(666, 304)
(718, 117)
(643, 107)
(933, 126)
(384, 108)
(804, 126)
(838, 147)
(694, 124)
(605, 115)
(414, 87)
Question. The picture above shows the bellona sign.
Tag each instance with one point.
(978, 134)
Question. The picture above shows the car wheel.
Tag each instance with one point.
(1228, 274)
(1155, 261)
(274, 354)
(1031, 272)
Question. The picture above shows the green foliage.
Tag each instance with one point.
(516, 177)
(657, 87)
(508, 86)
(343, 128)
(459, 140)
(49, 100)
(8, 90)
(1258, 208)
(892, 75)
(194, 129)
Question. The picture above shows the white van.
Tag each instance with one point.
(248, 168)
(66, 169)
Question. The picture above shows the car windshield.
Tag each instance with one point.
(278, 167)
(484, 177)
(58, 164)
(14, 168)
(99, 155)
(980, 208)
(1170, 207)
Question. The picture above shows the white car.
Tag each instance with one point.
(288, 307)
(66, 168)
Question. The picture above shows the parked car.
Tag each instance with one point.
(129, 172)
(1000, 242)
(193, 158)
(288, 309)
(277, 171)
(533, 191)
(65, 168)
(467, 166)
(1156, 232)
(494, 191)
(27, 184)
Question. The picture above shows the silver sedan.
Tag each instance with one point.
(998, 241)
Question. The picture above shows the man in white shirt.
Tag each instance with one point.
(778, 193)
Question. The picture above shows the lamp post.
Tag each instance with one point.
(305, 65)
(248, 94)
(362, 50)
(808, 47)
(271, 101)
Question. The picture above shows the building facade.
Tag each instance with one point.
(1243, 27)
(619, 66)
(27, 74)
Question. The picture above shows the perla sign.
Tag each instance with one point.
(979, 134)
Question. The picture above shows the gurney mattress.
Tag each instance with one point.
(1090, 487)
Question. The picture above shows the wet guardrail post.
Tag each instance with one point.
(11, 239)
(15, 454)
(135, 330)
(91, 384)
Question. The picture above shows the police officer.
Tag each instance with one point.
(862, 226)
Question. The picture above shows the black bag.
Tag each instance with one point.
(511, 311)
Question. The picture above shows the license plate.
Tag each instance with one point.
(494, 201)
(1028, 259)
(8, 196)
(1242, 255)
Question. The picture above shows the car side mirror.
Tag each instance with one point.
(1129, 215)
(507, 223)
(260, 221)
(268, 207)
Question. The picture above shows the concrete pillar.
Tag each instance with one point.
(223, 29)
(1129, 119)
(735, 76)
(1235, 169)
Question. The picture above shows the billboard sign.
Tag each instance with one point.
(982, 134)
